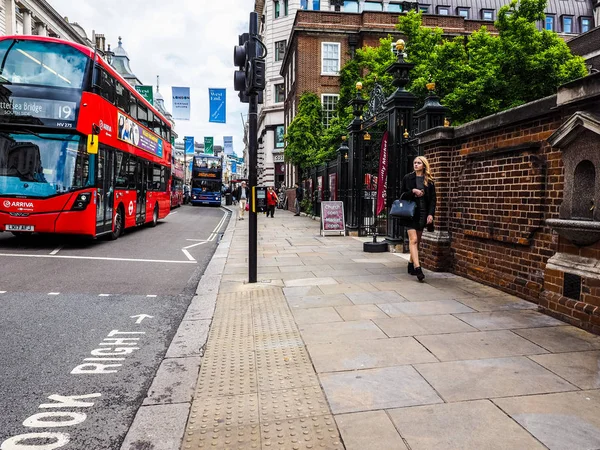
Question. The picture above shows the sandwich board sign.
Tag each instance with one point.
(332, 218)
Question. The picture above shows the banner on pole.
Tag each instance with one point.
(181, 103)
(228, 145)
(383, 170)
(189, 145)
(234, 167)
(208, 145)
(146, 92)
(217, 106)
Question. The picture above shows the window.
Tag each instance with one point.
(549, 23)
(567, 24)
(395, 7)
(142, 115)
(285, 7)
(351, 6)
(424, 9)
(329, 108)
(122, 160)
(463, 12)
(316, 5)
(372, 6)
(303, 4)
(279, 93)
(122, 97)
(330, 58)
(487, 14)
(586, 24)
(107, 86)
(443, 10)
(277, 6)
(279, 50)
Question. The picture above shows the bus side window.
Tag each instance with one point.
(157, 126)
(156, 177)
(142, 114)
(122, 159)
(107, 86)
(131, 173)
(165, 175)
(133, 107)
(122, 97)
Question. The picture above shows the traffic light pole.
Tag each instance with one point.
(252, 181)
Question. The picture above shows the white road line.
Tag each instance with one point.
(56, 250)
(53, 293)
(196, 240)
(211, 238)
(173, 212)
(97, 258)
(2, 292)
(187, 254)
(151, 296)
(104, 295)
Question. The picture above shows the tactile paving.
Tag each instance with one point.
(257, 387)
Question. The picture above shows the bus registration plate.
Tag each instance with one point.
(18, 228)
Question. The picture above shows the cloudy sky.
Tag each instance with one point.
(186, 42)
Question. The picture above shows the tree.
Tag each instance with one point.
(484, 73)
(304, 133)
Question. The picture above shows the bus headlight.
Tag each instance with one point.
(81, 201)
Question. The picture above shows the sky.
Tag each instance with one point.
(186, 42)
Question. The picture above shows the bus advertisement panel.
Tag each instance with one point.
(81, 152)
(207, 175)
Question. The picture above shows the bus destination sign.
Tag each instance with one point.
(39, 108)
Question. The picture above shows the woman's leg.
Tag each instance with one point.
(413, 245)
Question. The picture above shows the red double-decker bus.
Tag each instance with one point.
(177, 182)
(81, 152)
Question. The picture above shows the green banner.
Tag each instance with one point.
(208, 145)
(146, 92)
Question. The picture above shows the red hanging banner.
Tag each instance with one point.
(383, 171)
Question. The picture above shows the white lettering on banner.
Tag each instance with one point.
(47, 440)
(51, 419)
(51, 441)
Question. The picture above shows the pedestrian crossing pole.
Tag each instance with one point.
(250, 81)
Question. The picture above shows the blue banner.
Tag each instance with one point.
(233, 167)
(217, 105)
(228, 145)
(189, 145)
(181, 103)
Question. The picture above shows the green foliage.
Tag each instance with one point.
(484, 73)
(304, 133)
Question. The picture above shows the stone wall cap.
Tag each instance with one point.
(577, 123)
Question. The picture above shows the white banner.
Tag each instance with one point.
(181, 103)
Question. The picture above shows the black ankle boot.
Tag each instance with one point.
(411, 269)
(419, 273)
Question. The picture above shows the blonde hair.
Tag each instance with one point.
(427, 177)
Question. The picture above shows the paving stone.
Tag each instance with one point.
(372, 389)
(569, 421)
(190, 338)
(340, 331)
(174, 382)
(502, 303)
(422, 325)
(561, 339)
(360, 312)
(316, 315)
(310, 282)
(371, 430)
(424, 308)
(317, 301)
(364, 298)
(481, 345)
(488, 378)
(347, 288)
(501, 320)
(473, 425)
(368, 354)
(159, 427)
(581, 368)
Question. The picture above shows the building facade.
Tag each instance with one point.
(321, 42)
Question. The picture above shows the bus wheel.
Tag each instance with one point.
(154, 218)
(117, 225)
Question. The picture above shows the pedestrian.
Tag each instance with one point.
(419, 187)
(242, 195)
(272, 200)
(299, 198)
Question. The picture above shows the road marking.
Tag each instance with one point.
(151, 296)
(2, 292)
(104, 295)
(97, 258)
(53, 293)
(56, 250)
(211, 238)
(141, 317)
(173, 212)
(187, 254)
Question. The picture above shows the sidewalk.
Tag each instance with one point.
(335, 348)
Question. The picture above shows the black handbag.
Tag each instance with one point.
(404, 210)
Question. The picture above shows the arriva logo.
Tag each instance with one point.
(8, 204)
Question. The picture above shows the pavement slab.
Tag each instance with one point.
(489, 378)
(422, 325)
(564, 338)
(371, 430)
(581, 368)
(503, 303)
(424, 308)
(472, 425)
(364, 298)
(316, 315)
(340, 331)
(373, 389)
(506, 320)
(569, 421)
(360, 312)
(319, 301)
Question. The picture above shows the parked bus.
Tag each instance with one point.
(81, 152)
(177, 176)
(207, 176)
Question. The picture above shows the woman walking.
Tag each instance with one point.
(419, 187)
(271, 201)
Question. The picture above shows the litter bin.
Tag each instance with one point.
(228, 199)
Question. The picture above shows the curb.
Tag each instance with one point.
(160, 422)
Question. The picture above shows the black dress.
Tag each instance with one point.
(425, 203)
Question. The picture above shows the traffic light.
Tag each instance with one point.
(249, 57)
